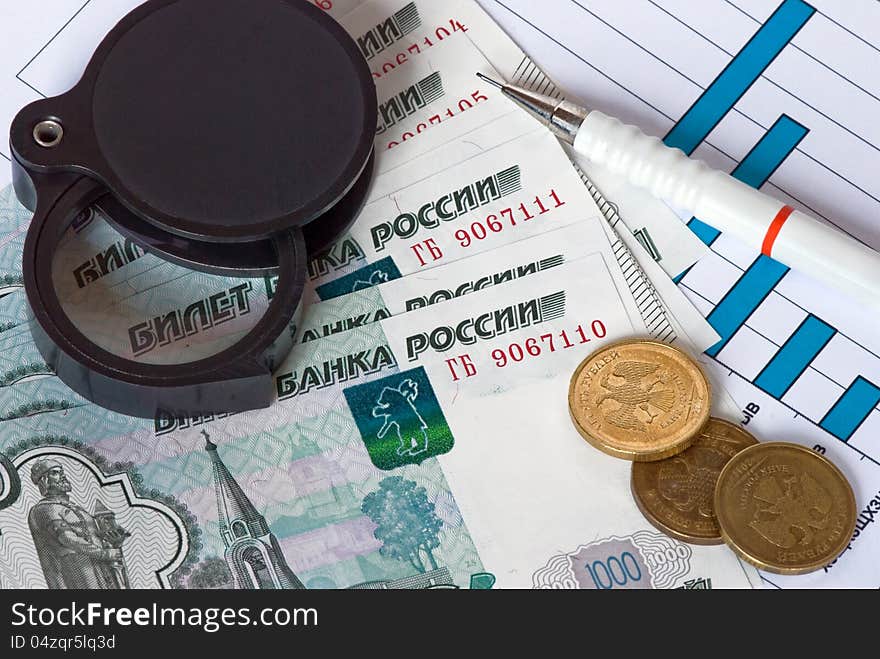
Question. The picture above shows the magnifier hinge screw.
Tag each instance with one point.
(48, 133)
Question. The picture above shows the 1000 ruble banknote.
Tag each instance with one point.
(431, 448)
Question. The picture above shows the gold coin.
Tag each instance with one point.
(784, 508)
(677, 495)
(639, 400)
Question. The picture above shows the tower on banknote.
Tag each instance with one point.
(252, 551)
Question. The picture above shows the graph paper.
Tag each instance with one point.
(785, 95)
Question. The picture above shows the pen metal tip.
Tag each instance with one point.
(494, 83)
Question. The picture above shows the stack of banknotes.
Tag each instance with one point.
(421, 435)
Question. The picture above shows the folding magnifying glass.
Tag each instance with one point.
(234, 138)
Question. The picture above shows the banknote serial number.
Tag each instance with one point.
(517, 352)
(419, 44)
(508, 218)
(548, 343)
(452, 111)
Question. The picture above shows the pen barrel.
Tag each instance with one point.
(643, 160)
(791, 237)
(831, 256)
(764, 223)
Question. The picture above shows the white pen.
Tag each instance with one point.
(776, 229)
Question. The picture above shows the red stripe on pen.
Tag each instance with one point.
(775, 228)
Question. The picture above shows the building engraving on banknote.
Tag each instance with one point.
(405, 523)
(644, 560)
(253, 554)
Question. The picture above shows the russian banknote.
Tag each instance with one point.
(428, 90)
(503, 266)
(503, 195)
(163, 312)
(395, 34)
(429, 448)
(28, 386)
(433, 99)
(166, 314)
(391, 44)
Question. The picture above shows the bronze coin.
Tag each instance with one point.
(639, 400)
(784, 508)
(677, 495)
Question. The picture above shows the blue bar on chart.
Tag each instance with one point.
(851, 409)
(794, 357)
(759, 165)
(771, 151)
(704, 232)
(741, 301)
(740, 74)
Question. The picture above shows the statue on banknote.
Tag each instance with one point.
(77, 549)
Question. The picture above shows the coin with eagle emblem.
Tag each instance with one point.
(785, 508)
(677, 494)
(639, 400)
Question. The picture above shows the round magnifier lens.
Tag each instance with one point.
(140, 307)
